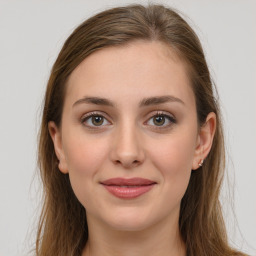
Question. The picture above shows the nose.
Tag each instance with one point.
(127, 149)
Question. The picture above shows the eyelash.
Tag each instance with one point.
(86, 117)
(169, 117)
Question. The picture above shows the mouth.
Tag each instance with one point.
(128, 188)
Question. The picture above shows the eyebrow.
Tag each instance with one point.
(95, 101)
(143, 103)
(159, 100)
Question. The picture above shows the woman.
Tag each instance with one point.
(131, 146)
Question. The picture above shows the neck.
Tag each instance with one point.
(158, 240)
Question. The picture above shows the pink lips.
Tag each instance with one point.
(128, 188)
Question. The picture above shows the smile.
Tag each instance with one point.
(128, 188)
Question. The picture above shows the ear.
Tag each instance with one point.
(205, 139)
(56, 138)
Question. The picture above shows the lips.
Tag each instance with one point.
(128, 188)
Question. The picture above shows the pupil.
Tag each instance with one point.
(97, 120)
(159, 120)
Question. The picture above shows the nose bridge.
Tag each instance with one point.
(127, 149)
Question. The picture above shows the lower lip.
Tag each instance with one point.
(128, 192)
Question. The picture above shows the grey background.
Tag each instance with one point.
(31, 34)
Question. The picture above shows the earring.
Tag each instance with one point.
(201, 163)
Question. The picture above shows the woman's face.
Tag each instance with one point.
(129, 135)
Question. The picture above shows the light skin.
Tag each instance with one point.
(144, 125)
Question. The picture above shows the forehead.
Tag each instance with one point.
(131, 71)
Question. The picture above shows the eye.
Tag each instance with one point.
(94, 120)
(161, 120)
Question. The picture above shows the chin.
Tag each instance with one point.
(128, 220)
(132, 226)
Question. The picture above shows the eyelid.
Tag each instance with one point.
(168, 115)
(86, 116)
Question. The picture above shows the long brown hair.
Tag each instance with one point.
(62, 227)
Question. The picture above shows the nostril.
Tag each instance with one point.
(127, 164)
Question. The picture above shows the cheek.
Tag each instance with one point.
(84, 158)
(85, 155)
(173, 157)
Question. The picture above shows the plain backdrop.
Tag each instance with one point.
(31, 35)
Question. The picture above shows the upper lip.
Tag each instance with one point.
(128, 182)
